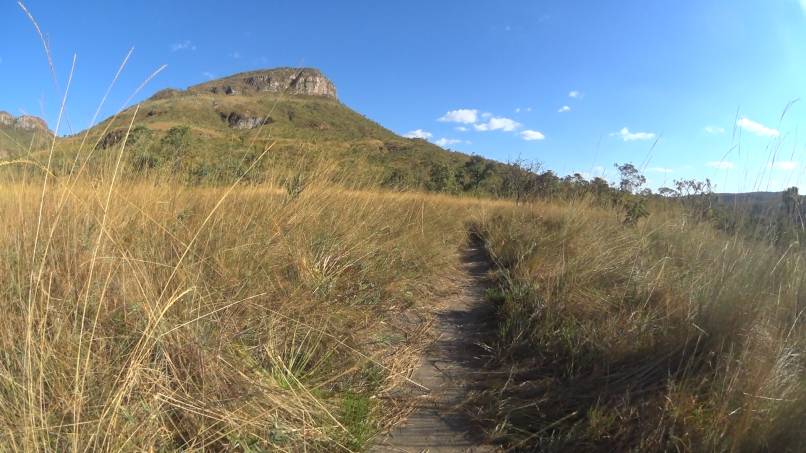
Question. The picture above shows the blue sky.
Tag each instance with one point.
(681, 88)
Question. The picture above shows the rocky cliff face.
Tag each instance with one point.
(24, 122)
(30, 123)
(292, 81)
(19, 135)
(237, 120)
(6, 119)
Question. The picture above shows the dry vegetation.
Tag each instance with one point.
(150, 315)
(159, 317)
(666, 336)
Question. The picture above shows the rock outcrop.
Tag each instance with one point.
(30, 123)
(24, 122)
(237, 120)
(292, 81)
(111, 139)
(20, 135)
(6, 119)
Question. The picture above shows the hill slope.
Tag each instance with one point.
(19, 135)
(212, 131)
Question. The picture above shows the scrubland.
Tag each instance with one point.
(664, 336)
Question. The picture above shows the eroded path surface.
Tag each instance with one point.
(437, 424)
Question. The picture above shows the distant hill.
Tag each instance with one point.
(749, 198)
(213, 130)
(759, 203)
(23, 134)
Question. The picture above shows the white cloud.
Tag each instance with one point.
(486, 115)
(443, 142)
(714, 130)
(209, 75)
(463, 116)
(235, 55)
(787, 165)
(530, 135)
(659, 170)
(628, 136)
(498, 123)
(564, 109)
(720, 164)
(757, 128)
(524, 109)
(461, 128)
(184, 45)
(419, 133)
(574, 94)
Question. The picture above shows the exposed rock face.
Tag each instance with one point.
(226, 89)
(237, 120)
(302, 81)
(6, 119)
(111, 139)
(30, 123)
(25, 122)
(18, 135)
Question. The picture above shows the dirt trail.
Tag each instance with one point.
(437, 425)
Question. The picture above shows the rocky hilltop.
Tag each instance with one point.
(21, 134)
(291, 81)
(24, 122)
(31, 123)
(209, 133)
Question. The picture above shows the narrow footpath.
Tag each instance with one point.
(437, 424)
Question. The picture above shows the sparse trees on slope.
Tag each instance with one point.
(475, 171)
(520, 180)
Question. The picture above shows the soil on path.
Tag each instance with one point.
(437, 423)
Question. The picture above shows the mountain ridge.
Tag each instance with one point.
(283, 80)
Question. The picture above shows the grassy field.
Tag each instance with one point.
(154, 317)
(144, 314)
(666, 336)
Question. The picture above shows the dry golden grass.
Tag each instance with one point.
(161, 317)
(667, 336)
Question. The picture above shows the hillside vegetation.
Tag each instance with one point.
(210, 133)
(669, 335)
